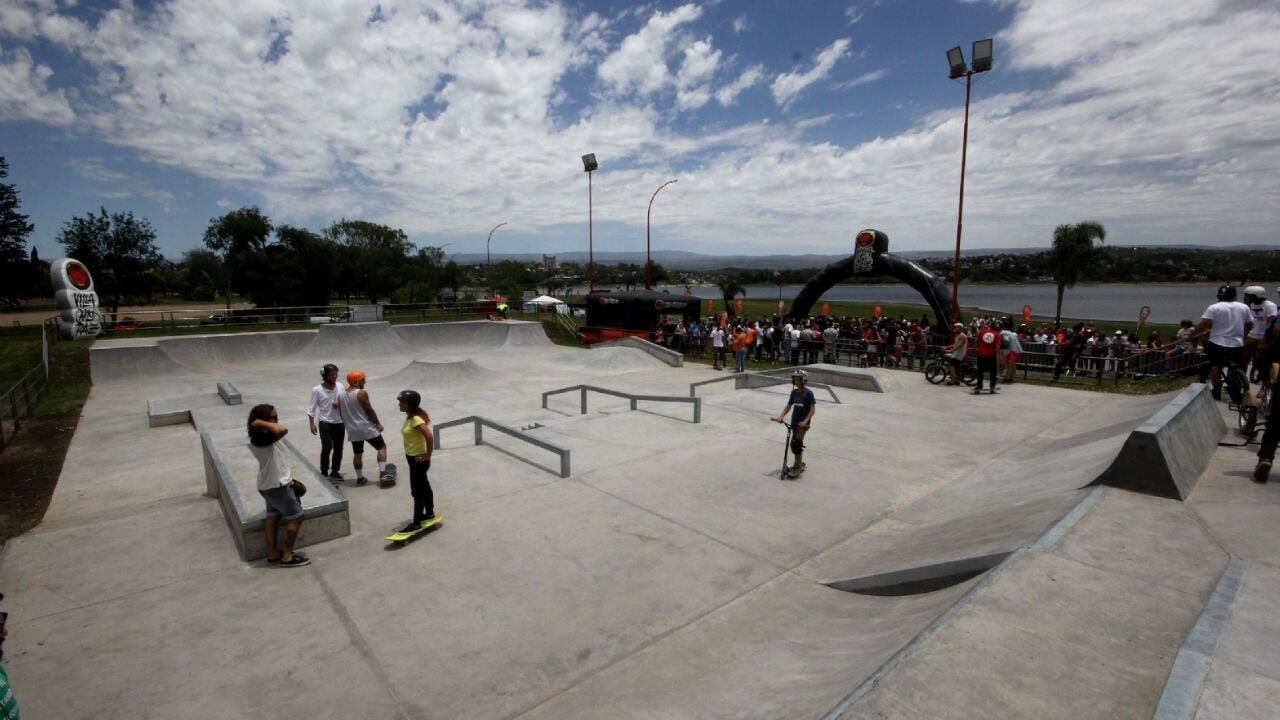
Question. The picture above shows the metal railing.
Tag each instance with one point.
(584, 389)
(19, 401)
(746, 380)
(482, 422)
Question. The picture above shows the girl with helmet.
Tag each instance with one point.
(418, 445)
(802, 405)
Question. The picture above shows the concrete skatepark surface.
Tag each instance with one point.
(671, 576)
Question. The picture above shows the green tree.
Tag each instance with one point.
(241, 237)
(422, 275)
(730, 288)
(374, 255)
(14, 230)
(204, 274)
(452, 277)
(1073, 254)
(301, 264)
(118, 248)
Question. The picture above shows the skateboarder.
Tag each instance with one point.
(323, 408)
(802, 405)
(275, 484)
(418, 445)
(361, 422)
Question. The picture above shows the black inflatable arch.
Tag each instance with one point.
(871, 257)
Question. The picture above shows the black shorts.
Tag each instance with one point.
(1219, 356)
(953, 362)
(357, 446)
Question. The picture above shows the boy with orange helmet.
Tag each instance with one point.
(362, 425)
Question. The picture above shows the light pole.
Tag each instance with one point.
(981, 64)
(648, 262)
(488, 260)
(589, 165)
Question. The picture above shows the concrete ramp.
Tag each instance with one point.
(358, 340)
(121, 363)
(447, 336)
(521, 334)
(235, 351)
(419, 374)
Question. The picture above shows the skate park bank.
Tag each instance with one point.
(943, 556)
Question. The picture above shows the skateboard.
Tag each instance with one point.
(388, 478)
(400, 538)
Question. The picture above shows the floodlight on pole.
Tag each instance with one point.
(648, 262)
(982, 53)
(589, 165)
(488, 260)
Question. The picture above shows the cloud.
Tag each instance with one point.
(25, 92)
(788, 85)
(639, 64)
(740, 24)
(852, 14)
(862, 79)
(446, 118)
(749, 78)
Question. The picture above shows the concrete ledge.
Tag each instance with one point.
(1166, 455)
(868, 379)
(670, 357)
(230, 395)
(230, 472)
(176, 411)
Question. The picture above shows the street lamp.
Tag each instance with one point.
(648, 263)
(981, 63)
(589, 166)
(488, 260)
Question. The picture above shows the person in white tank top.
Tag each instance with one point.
(362, 424)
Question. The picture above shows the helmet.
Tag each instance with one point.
(355, 377)
(410, 398)
(1256, 290)
(800, 373)
(328, 368)
(1227, 292)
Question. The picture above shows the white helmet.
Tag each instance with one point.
(1255, 290)
(800, 373)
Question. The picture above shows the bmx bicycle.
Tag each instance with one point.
(935, 371)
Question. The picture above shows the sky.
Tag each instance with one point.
(789, 125)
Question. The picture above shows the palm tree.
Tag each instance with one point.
(1072, 253)
(731, 288)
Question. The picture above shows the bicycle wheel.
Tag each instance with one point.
(969, 375)
(1248, 419)
(935, 373)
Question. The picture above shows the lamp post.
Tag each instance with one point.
(981, 64)
(589, 166)
(487, 259)
(648, 262)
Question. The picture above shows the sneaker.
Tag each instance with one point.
(360, 479)
(977, 391)
(1262, 471)
(295, 561)
(994, 391)
(336, 477)
(413, 526)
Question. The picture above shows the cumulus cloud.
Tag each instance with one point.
(788, 85)
(740, 24)
(437, 117)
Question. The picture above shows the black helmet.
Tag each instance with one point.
(1227, 292)
(410, 398)
(328, 368)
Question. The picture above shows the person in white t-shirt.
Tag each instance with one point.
(323, 409)
(275, 484)
(1264, 314)
(1227, 322)
(718, 358)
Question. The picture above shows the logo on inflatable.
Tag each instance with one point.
(77, 302)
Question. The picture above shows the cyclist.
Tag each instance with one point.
(1264, 314)
(956, 351)
(1227, 322)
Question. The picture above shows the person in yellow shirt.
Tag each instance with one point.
(418, 446)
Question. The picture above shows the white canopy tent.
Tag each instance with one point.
(545, 303)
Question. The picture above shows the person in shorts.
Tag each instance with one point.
(956, 351)
(1010, 351)
(362, 424)
(803, 405)
(1227, 323)
(275, 484)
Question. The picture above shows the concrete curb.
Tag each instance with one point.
(670, 357)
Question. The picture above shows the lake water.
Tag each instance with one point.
(1169, 302)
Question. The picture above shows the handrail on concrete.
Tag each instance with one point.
(741, 380)
(696, 401)
(482, 422)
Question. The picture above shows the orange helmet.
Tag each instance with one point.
(355, 377)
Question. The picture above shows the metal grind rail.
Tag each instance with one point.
(584, 389)
(742, 380)
(480, 423)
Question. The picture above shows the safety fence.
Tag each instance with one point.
(19, 402)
